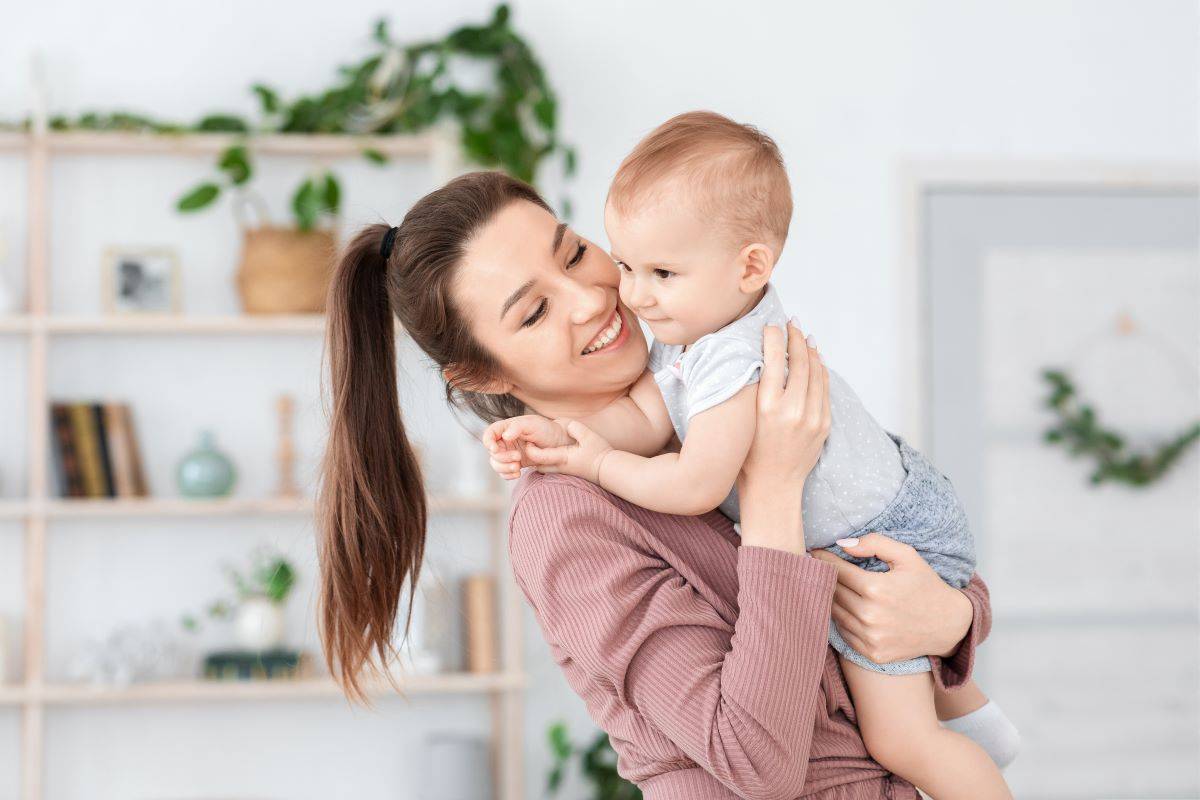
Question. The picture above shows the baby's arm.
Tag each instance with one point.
(637, 423)
(692, 481)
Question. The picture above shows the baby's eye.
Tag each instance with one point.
(663, 274)
(624, 267)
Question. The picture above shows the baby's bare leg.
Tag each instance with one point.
(968, 711)
(963, 700)
(899, 725)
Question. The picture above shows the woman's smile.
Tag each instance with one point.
(614, 333)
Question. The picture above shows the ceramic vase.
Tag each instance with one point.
(206, 471)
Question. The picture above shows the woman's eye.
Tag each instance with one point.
(663, 273)
(536, 315)
(578, 255)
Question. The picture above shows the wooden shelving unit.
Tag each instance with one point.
(39, 510)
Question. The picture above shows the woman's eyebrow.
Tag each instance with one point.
(515, 297)
(558, 237)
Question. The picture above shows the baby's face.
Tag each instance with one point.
(678, 273)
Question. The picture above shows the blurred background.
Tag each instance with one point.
(995, 241)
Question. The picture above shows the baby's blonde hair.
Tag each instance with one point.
(734, 175)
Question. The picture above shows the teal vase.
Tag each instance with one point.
(206, 471)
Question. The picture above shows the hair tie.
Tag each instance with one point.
(389, 239)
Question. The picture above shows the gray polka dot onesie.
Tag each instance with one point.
(866, 479)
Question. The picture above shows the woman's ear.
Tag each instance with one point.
(462, 380)
(756, 262)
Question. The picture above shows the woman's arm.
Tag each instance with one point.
(739, 697)
(909, 610)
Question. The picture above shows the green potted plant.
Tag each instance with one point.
(257, 605)
(597, 766)
(509, 123)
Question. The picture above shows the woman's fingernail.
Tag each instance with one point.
(795, 321)
(847, 542)
(812, 342)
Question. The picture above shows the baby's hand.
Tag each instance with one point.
(506, 440)
(581, 459)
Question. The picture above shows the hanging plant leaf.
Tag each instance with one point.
(306, 205)
(267, 98)
(375, 157)
(333, 194)
(200, 197)
(235, 162)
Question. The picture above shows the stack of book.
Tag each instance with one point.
(95, 450)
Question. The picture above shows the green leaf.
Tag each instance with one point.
(545, 111)
(267, 98)
(200, 197)
(333, 194)
(560, 745)
(381, 31)
(501, 15)
(375, 157)
(235, 163)
(222, 123)
(569, 161)
(306, 205)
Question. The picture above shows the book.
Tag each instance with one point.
(87, 446)
(66, 461)
(120, 449)
(135, 454)
(106, 470)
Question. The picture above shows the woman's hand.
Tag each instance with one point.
(791, 427)
(904, 613)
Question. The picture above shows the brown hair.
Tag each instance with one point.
(734, 173)
(371, 510)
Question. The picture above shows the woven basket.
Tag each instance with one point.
(284, 270)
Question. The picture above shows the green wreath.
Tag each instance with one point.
(1079, 431)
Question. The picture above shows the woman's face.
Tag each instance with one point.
(543, 300)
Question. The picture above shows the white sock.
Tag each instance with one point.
(990, 728)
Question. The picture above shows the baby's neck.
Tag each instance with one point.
(746, 308)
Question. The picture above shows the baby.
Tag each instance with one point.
(697, 216)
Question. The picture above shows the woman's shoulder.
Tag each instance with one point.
(535, 490)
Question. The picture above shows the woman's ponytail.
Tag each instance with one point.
(371, 505)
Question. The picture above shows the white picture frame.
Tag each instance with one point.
(141, 280)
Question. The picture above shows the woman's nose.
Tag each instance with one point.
(589, 301)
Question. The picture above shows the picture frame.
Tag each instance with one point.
(141, 280)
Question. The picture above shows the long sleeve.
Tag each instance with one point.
(737, 693)
(955, 670)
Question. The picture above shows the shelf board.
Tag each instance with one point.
(326, 145)
(125, 324)
(214, 691)
(187, 507)
(183, 323)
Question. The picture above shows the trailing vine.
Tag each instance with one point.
(1079, 430)
(511, 124)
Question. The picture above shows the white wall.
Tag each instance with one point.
(848, 89)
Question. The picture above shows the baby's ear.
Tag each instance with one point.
(466, 381)
(756, 262)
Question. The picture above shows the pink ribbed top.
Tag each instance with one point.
(706, 662)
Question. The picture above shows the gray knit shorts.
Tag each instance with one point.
(926, 513)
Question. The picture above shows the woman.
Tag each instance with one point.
(705, 661)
